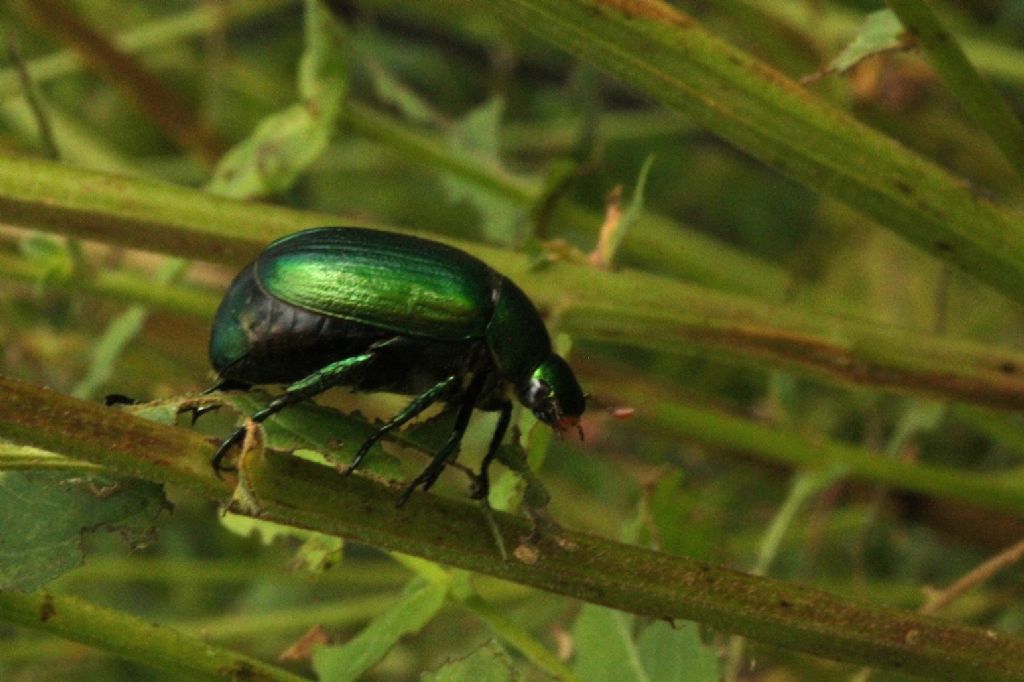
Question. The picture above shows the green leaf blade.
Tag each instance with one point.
(605, 650)
(417, 607)
(674, 653)
(489, 663)
(44, 514)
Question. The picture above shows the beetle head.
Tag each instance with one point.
(553, 394)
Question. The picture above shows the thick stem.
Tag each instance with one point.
(157, 646)
(296, 492)
(626, 307)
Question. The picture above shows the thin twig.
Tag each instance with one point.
(983, 572)
(46, 137)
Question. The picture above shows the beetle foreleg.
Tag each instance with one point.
(429, 475)
(483, 483)
(303, 389)
(418, 405)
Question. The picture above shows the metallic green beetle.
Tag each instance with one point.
(379, 311)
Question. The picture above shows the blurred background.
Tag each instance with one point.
(455, 123)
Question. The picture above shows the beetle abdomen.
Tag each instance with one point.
(260, 339)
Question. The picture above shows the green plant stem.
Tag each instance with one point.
(296, 492)
(662, 243)
(118, 285)
(39, 114)
(359, 577)
(131, 638)
(336, 613)
(39, 464)
(78, 145)
(148, 93)
(657, 242)
(333, 614)
(551, 137)
(997, 491)
(165, 31)
(804, 485)
(626, 308)
(653, 47)
(977, 96)
(1002, 428)
(512, 634)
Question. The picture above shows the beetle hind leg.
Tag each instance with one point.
(303, 389)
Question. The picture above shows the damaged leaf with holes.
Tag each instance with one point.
(45, 516)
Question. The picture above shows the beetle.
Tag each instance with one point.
(381, 311)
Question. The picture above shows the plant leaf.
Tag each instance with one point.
(489, 663)
(286, 143)
(309, 426)
(674, 653)
(44, 514)
(418, 605)
(605, 651)
(318, 551)
(881, 32)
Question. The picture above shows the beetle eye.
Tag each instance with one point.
(538, 394)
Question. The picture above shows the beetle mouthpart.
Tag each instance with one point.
(565, 423)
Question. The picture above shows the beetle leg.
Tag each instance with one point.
(227, 385)
(418, 405)
(222, 385)
(429, 475)
(483, 484)
(303, 389)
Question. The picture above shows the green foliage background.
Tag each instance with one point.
(809, 311)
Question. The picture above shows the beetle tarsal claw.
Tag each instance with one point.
(480, 487)
(222, 452)
(199, 410)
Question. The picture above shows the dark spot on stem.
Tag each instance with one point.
(240, 670)
(903, 187)
(1008, 367)
(47, 609)
(943, 246)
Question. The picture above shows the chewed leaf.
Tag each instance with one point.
(317, 552)
(287, 142)
(309, 426)
(44, 514)
(881, 32)
(489, 663)
(281, 148)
